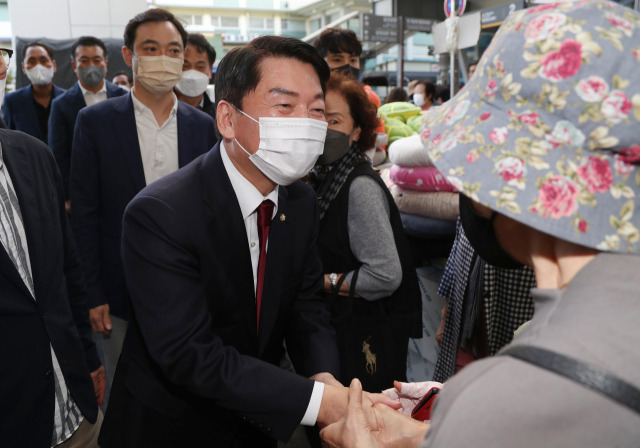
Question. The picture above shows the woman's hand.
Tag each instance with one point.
(409, 394)
(372, 426)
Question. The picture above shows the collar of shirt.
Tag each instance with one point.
(103, 89)
(139, 108)
(248, 196)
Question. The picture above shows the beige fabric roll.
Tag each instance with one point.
(437, 204)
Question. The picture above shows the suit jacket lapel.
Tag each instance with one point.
(277, 254)
(23, 183)
(124, 126)
(77, 99)
(186, 130)
(227, 231)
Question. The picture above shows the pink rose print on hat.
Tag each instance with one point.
(485, 116)
(511, 168)
(593, 89)
(563, 63)
(616, 106)
(630, 154)
(621, 23)
(457, 112)
(622, 167)
(499, 135)
(583, 226)
(541, 27)
(529, 117)
(541, 8)
(426, 133)
(597, 175)
(558, 197)
(491, 89)
(565, 133)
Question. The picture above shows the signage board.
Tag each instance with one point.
(381, 29)
(495, 15)
(416, 24)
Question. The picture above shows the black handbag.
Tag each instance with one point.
(372, 340)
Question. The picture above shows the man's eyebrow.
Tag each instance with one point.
(285, 91)
(150, 41)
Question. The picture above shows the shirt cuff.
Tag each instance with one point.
(310, 417)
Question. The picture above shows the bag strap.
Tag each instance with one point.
(589, 375)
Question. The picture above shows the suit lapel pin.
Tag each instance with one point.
(282, 218)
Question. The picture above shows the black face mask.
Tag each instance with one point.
(336, 145)
(348, 71)
(482, 236)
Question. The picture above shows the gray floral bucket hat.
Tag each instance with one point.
(547, 131)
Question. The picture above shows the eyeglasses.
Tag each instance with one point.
(6, 55)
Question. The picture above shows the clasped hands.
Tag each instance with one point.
(373, 420)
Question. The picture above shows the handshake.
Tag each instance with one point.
(373, 420)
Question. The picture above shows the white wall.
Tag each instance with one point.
(65, 19)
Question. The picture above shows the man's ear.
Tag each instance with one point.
(127, 56)
(225, 117)
(55, 67)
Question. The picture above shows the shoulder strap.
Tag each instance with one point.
(589, 375)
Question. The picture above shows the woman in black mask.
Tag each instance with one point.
(368, 270)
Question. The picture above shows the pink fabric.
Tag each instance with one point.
(419, 178)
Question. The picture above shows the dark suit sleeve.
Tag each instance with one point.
(170, 303)
(76, 287)
(6, 114)
(59, 138)
(85, 206)
(310, 338)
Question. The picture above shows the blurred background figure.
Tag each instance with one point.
(123, 79)
(28, 109)
(424, 95)
(197, 71)
(396, 94)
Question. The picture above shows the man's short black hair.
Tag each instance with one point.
(338, 40)
(122, 72)
(239, 71)
(88, 41)
(202, 44)
(151, 15)
(46, 47)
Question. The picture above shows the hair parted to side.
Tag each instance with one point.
(239, 71)
(88, 41)
(202, 45)
(363, 112)
(46, 47)
(338, 40)
(152, 15)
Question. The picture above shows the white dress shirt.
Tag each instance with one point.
(158, 144)
(91, 98)
(249, 199)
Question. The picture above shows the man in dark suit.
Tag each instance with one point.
(211, 306)
(199, 57)
(51, 378)
(89, 60)
(28, 109)
(121, 145)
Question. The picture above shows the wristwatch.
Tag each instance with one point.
(333, 280)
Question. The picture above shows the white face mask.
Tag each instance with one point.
(193, 83)
(40, 75)
(157, 74)
(289, 147)
(418, 99)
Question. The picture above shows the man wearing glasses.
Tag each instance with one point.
(28, 109)
(52, 378)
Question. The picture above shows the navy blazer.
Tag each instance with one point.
(19, 111)
(58, 317)
(106, 173)
(62, 120)
(193, 371)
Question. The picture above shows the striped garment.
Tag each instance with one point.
(67, 416)
(507, 303)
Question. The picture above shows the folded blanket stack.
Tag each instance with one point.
(420, 190)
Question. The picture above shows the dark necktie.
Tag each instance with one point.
(265, 211)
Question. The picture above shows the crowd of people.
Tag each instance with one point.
(165, 255)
